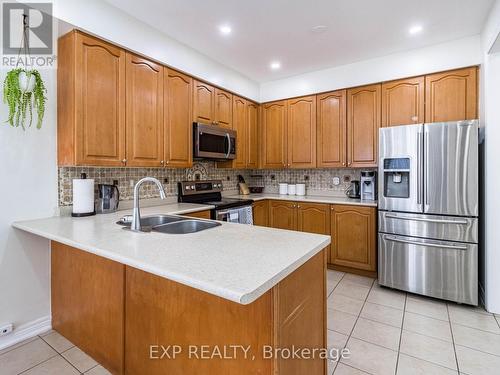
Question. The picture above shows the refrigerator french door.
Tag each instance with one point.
(428, 209)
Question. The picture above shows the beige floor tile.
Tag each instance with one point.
(48, 332)
(476, 339)
(334, 275)
(387, 297)
(383, 314)
(475, 309)
(336, 340)
(348, 370)
(56, 365)
(25, 357)
(377, 333)
(340, 321)
(58, 342)
(331, 367)
(424, 325)
(98, 370)
(19, 344)
(346, 304)
(428, 307)
(330, 286)
(370, 358)
(413, 366)
(474, 362)
(474, 320)
(357, 279)
(79, 359)
(429, 349)
(352, 290)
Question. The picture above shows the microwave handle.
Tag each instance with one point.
(228, 145)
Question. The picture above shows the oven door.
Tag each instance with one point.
(213, 142)
(241, 215)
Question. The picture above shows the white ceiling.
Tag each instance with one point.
(266, 30)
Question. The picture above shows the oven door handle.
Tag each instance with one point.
(437, 221)
(228, 137)
(425, 244)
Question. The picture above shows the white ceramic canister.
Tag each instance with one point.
(301, 189)
(283, 189)
(292, 189)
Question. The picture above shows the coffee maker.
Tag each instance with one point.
(108, 198)
(369, 185)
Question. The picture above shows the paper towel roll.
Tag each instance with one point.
(83, 196)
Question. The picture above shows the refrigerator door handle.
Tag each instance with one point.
(425, 244)
(438, 221)
(426, 167)
(419, 169)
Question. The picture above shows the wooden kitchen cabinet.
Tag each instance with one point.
(363, 123)
(90, 101)
(451, 96)
(223, 108)
(314, 218)
(178, 142)
(200, 214)
(403, 102)
(332, 130)
(301, 132)
(252, 135)
(144, 119)
(261, 213)
(274, 135)
(353, 231)
(203, 102)
(283, 215)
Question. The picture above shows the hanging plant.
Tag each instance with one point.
(23, 90)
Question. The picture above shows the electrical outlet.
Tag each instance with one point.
(165, 180)
(228, 178)
(115, 182)
(336, 181)
(131, 183)
(306, 177)
(347, 178)
(273, 177)
(6, 329)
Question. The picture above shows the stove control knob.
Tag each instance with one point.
(187, 187)
(193, 187)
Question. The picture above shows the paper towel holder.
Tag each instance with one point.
(83, 176)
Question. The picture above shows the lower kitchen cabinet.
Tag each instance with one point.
(200, 214)
(282, 215)
(314, 218)
(261, 213)
(353, 231)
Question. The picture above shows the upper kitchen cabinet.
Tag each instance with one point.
(403, 102)
(451, 96)
(363, 122)
(252, 135)
(274, 140)
(91, 102)
(301, 132)
(144, 117)
(203, 102)
(331, 129)
(240, 126)
(178, 119)
(223, 108)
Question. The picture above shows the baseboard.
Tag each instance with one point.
(26, 331)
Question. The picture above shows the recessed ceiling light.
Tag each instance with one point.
(275, 65)
(225, 29)
(415, 29)
(319, 29)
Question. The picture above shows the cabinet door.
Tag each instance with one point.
(301, 139)
(178, 119)
(261, 213)
(332, 129)
(403, 102)
(314, 218)
(363, 122)
(203, 103)
(451, 96)
(252, 135)
(240, 125)
(283, 215)
(353, 237)
(223, 108)
(274, 127)
(99, 102)
(144, 112)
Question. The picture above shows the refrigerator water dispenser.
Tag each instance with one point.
(397, 177)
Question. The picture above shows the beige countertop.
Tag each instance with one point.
(234, 261)
(329, 199)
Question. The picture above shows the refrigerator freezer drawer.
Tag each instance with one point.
(440, 269)
(450, 228)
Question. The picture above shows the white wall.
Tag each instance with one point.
(455, 54)
(28, 188)
(108, 22)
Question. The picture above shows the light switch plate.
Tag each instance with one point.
(336, 181)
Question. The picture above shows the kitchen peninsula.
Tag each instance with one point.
(123, 297)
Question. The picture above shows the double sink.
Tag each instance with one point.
(169, 224)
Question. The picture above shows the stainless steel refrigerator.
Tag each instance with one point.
(428, 209)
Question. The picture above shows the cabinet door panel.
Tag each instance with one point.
(261, 213)
(332, 129)
(240, 125)
(144, 112)
(178, 119)
(274, 127)
(204, 103)
(353, 237)
(301, 146)
(403, 102)
(451, 96)
(282, 215)
(252, 135)
(363, 122)
(100, 103)
(223, 108)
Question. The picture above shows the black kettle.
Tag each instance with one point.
(353, 190)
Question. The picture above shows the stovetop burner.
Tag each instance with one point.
(208, 192)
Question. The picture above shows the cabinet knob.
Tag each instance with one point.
(343, 163)
(124, 161)
(168, 161)
(162, 162)
(298, 206)
(288, 164)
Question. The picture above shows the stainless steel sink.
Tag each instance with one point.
(186, 226)
(148, 222)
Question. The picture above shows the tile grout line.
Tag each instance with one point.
(335, 287)
(14, 347)
(60, 354)
(452, 338)
(39, 363)
(401, 334)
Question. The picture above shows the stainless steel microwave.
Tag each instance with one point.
(213, 142)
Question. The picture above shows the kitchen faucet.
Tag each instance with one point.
(136, 219)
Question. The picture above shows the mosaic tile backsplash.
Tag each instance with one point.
(315, 179)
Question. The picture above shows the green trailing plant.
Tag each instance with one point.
(21, 102)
